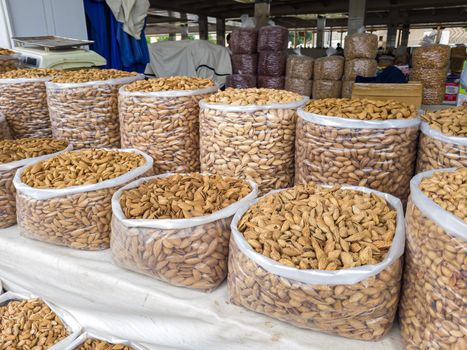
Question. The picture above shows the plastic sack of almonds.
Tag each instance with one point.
(268, 82)
(241, 81)
(433, 81)
(67, 200)
(273, 38)
(15, 154)
(94, 340)
(443, 139)
(432, 309)
(250, 134)
(83, 106)
(272, 63)
(326, 89)
(433, 56)
(176, 228)
(4, 128)
(357, 142)
(245, 64)
(305, 255)
(244, 39)
(299, 86)
(9, 60)
(28, 322)
(23, 101)
(360, 45)
(299, 67)
(328, 68)
(161, 117)
(363, 67)
(347, 87)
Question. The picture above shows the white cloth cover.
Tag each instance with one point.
(131, 13)
(195, 58)
(131, 306)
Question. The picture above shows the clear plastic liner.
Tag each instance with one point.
(250, 142)
(300, 67)
(245, 38)
(245, 64)
(433, 56)
(265, 81)
(4, 128)
(165, 125)
(363, 67)
(300, 86)
(437, 150)
(272, 63)
(86, 114)
(432, 309)
(9, 62)
(377, 154)
(347, 87)
(241, 81)
(360, 45)
(71, 324)
(358, 303)
(78, 216)
(273, 38)
(93, 334)
(329, 68)
(24, 103)
(327, 89)
(184, 252)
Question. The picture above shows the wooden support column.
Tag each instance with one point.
(262, 12)
(203, 27)
(220, 31)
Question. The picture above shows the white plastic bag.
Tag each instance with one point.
(77, 216)
(93, 334)
(72, 325)
(358, 303)
(184, 252)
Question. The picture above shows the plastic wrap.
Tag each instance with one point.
(300, 67)
(78, 216)
(24, 103)
(4, 128)
(68, 320)
(272, 63)
(329, 68)
(245, 64)
(363, 67)
(268, 82)
(437, 150)
(300, 86)
(9, 62)
(358, 303)
(327, 89)
(244, 39)
(7, 189)
(241, 81)
(273, 38)
(250, 142)
(184, 252)
(86, 114)
(347, 87)
(432, 309)
(92, 334)
(360, 45)
(376, 154)
(165, 125)
(432, 56)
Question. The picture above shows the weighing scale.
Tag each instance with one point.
(56, 52)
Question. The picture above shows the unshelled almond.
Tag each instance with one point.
(94, 344)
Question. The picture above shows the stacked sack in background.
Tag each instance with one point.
(5, 133)
(272, 56)
(360, 51)
(327, 75)
(243, 45)
(299, 73)
(430, 67)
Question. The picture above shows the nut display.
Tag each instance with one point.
(66, 200)
(431, 56)
(8, 60)
(29, 324)
(432, 309)
(364, 67)
(250, 133)
(14, 151)
(308, 232)
(245, 64)
(360, 45)
(326, 89)
(95, 344)
(443, 140)
(268, 82)
(328, 68)
(299, 67)
(184, 252)
(23, 101)
(164, 125)
(273, 38)
(244, 40)
(372, 144)
(241, 81)
(300, 86)
(83, 106)
(272, 63)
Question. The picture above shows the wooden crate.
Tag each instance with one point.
(410, 93)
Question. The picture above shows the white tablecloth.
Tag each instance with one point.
(128, 305)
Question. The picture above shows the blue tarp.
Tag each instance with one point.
(121, 50)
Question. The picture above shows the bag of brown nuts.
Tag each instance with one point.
(299, 67)
(328, 68)
(326, 89)
(363, 67)
(240, 81)
(176, 228)
(299, 86)
(28, 322)
(360, 45)
(83, 106)
(250, 134)
(443, 139)
(305, 255)
(93, 340)
(432, 310)
(4, 128)
(15, 154)
(357, 142)
(67, 200)
(23, 101)
(9, 60)
(161, 117)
